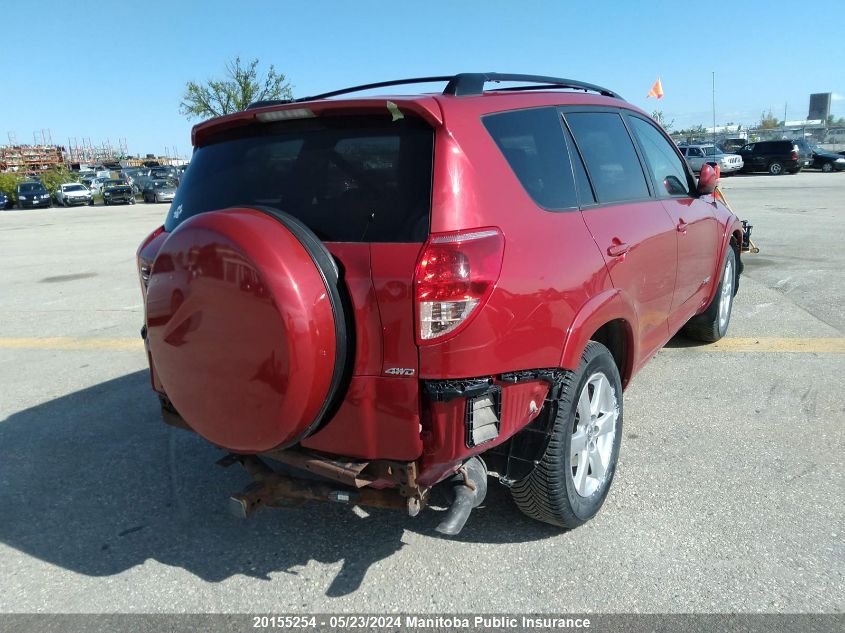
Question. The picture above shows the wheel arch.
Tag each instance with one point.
(610, 319)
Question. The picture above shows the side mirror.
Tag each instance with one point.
(708, 178)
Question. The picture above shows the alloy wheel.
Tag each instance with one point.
(593, 434)
(726, 296)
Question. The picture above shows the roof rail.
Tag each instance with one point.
(460, 85)
(468, 84)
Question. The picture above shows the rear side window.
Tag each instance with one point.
(609, 155)
(349, 179)
(533, 144)
(664, 163)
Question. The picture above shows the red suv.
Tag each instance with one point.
(380, 294)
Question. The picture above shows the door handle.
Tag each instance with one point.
(682, 226)
(617, 248)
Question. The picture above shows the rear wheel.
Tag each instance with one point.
(712, 324)
(776, 168)
(570, 484)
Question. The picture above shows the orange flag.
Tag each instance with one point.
(656, 90)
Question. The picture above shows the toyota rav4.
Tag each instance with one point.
(360, 299)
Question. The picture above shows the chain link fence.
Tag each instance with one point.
(831, 138)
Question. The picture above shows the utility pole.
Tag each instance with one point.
(714, 110)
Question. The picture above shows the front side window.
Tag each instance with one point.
(532, 142)
(663, 162)
(609, 155)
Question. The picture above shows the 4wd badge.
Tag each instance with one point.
(399, 371)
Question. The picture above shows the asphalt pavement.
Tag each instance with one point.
(729, 495)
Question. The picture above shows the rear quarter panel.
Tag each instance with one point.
(551, 265)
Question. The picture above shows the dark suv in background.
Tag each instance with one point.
(775, 157)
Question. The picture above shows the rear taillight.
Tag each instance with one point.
(794, 152)
(145, 265)
(455, 275)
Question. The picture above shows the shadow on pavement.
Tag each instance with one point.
(94, 482)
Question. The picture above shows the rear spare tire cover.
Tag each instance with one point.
(245, 327)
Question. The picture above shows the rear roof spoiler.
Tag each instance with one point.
(460, 85)
(424, 107)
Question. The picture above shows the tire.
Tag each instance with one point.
(553, 493)
(712, 324)
(827, 168)
(776, 168)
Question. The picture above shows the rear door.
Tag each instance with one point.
(694, 219)
(632, 229)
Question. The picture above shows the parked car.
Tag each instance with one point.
(117, 190)
(73, 193)
(137, 177)
(698, 155)
(5, 201)
(775, 157)
(382, 295)
(160, 190)
(805, 152)
(164, 172)
(732, 145)
(32, 195)
(828, 161)
(95, 184)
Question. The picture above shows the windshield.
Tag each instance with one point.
(32, 187)
(710, 150)
(164, 184)
(73, 188)
(349, 179)
(114, 183)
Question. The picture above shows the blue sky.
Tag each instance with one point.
(117, 70)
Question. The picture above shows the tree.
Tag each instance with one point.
(834, 122)
(241, 86)
(55, 176)
(694, 131)
(658, 116)
(768, 121)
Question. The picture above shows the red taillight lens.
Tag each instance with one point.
(455, 275)
(144, 264)
(795, 154)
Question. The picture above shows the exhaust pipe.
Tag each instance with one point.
(469, 485)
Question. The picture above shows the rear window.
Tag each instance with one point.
(532, 142)
(349, 179)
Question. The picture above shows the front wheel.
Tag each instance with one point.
(827, 168)
(570, 483)
(712, 324)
